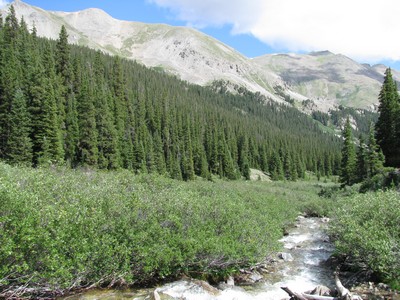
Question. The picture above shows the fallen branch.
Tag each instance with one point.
(345, 294)
(317, 297)
(292, 294)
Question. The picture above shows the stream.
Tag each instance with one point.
(306, 248)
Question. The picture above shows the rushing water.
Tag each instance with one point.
(306, 243)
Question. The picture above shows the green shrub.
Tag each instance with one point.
(68, 228)
(367, 229)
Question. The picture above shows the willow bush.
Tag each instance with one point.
(63, 228)
(367, 229)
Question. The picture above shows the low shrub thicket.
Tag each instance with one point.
(65, 228)
(367, 230)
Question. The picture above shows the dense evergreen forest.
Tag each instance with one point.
(69, 105)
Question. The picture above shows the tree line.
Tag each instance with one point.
(64, 104)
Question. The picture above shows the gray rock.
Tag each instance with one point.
(285, 256)
(230, 281)
(255, 277)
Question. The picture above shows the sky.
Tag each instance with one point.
(367, 31)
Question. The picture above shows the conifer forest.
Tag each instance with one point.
(63, 104)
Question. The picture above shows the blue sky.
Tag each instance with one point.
(364, 30)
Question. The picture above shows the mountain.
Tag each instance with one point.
(326, 78)
(323, 77)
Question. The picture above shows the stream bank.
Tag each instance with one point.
(299, 266)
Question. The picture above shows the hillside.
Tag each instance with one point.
(71, 105)
(325, 78)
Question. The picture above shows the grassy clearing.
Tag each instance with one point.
(65, 228)
(367, 230)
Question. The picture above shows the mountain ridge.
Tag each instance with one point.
(328, 79)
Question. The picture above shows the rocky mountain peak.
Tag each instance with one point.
(321, 53)
(323, 77)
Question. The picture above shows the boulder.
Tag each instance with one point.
(230, 281)
(255, 277)
(248, 278)
(285, 256)
(207, 287)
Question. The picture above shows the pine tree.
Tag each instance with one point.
(375, 155)
(67, 106)
(362, 161)
(244, 164)
(19, 144)
(63, 56)
(386, 127)
(10, 75)
(348, 165)
(87, 149)
(187, 159)
(276, 167)
(45, 133)
(159, 158)
(119, 107)
(71, 137)
(55, 139)
(107, 143)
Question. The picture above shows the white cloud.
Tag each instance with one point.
(367, 30)
(3, 3)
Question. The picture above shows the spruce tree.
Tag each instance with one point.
(159, 158)
(45, 133)
(71, 133)
(387, 125)
(348, 165)
(63, 56)
(19, 148)
(362, 161)
(276, 166)
(67, 106)
(87, 146)
(107, 143)
(375, 156)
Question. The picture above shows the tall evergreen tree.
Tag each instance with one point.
(276, 166)
(87, 149)
(375, 156)
(107, 143)
(362, 161)
(63, 66)
(348, 166)
(45, 133)
(386, 127)
(10, 75)
(66, 100)
(19, 144)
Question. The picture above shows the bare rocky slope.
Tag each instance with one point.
(323, 77)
